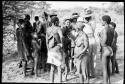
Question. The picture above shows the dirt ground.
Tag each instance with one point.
(11, 72)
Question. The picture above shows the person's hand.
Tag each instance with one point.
(75, 56)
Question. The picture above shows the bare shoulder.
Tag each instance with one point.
(48, 29)
(103, 31)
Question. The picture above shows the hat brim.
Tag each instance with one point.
(74, 16)
(87, 15)
(53, 15)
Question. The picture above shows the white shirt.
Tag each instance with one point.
(87, 29)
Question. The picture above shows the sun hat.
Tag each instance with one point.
(87, 13)
(74, 15)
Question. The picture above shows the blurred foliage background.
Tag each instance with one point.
(13, 10)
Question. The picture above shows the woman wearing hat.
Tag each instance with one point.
(81, 53)
(92, 42)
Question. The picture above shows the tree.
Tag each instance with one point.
(118, 7)
(13, 10)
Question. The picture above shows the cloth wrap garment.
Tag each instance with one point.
(55, 51)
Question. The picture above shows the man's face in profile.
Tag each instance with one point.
(74, 19)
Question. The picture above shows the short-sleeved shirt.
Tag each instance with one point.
(88, 29)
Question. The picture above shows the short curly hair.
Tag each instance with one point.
(27, 16)
(21, 21)
(106, 18)
(54, 19)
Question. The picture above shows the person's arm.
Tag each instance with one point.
(116, 36)
(17, 34)
(93, 25)
(103, 38)
(39, 27)
(61, 37)
(47, 41)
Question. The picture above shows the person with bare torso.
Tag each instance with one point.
(115, 68)
(73, 37)
(66, 29)
(106, 39)
(54, 45)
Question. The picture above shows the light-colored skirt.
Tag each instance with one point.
(56, 56)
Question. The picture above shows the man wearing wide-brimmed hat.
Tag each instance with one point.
(89, 30)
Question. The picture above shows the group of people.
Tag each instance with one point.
(70, 47)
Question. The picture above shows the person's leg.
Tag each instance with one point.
(104, 65)
(116, 69)
(59, 74)
(81, 78)
(84, 69)
(93, 58)
(71, 60)
(20, 54)
(24, 68)
(113, 64)
(90, 60)
(66, 67)
(108, 68)
(52, 74)
(116, 66)
(36, 65)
